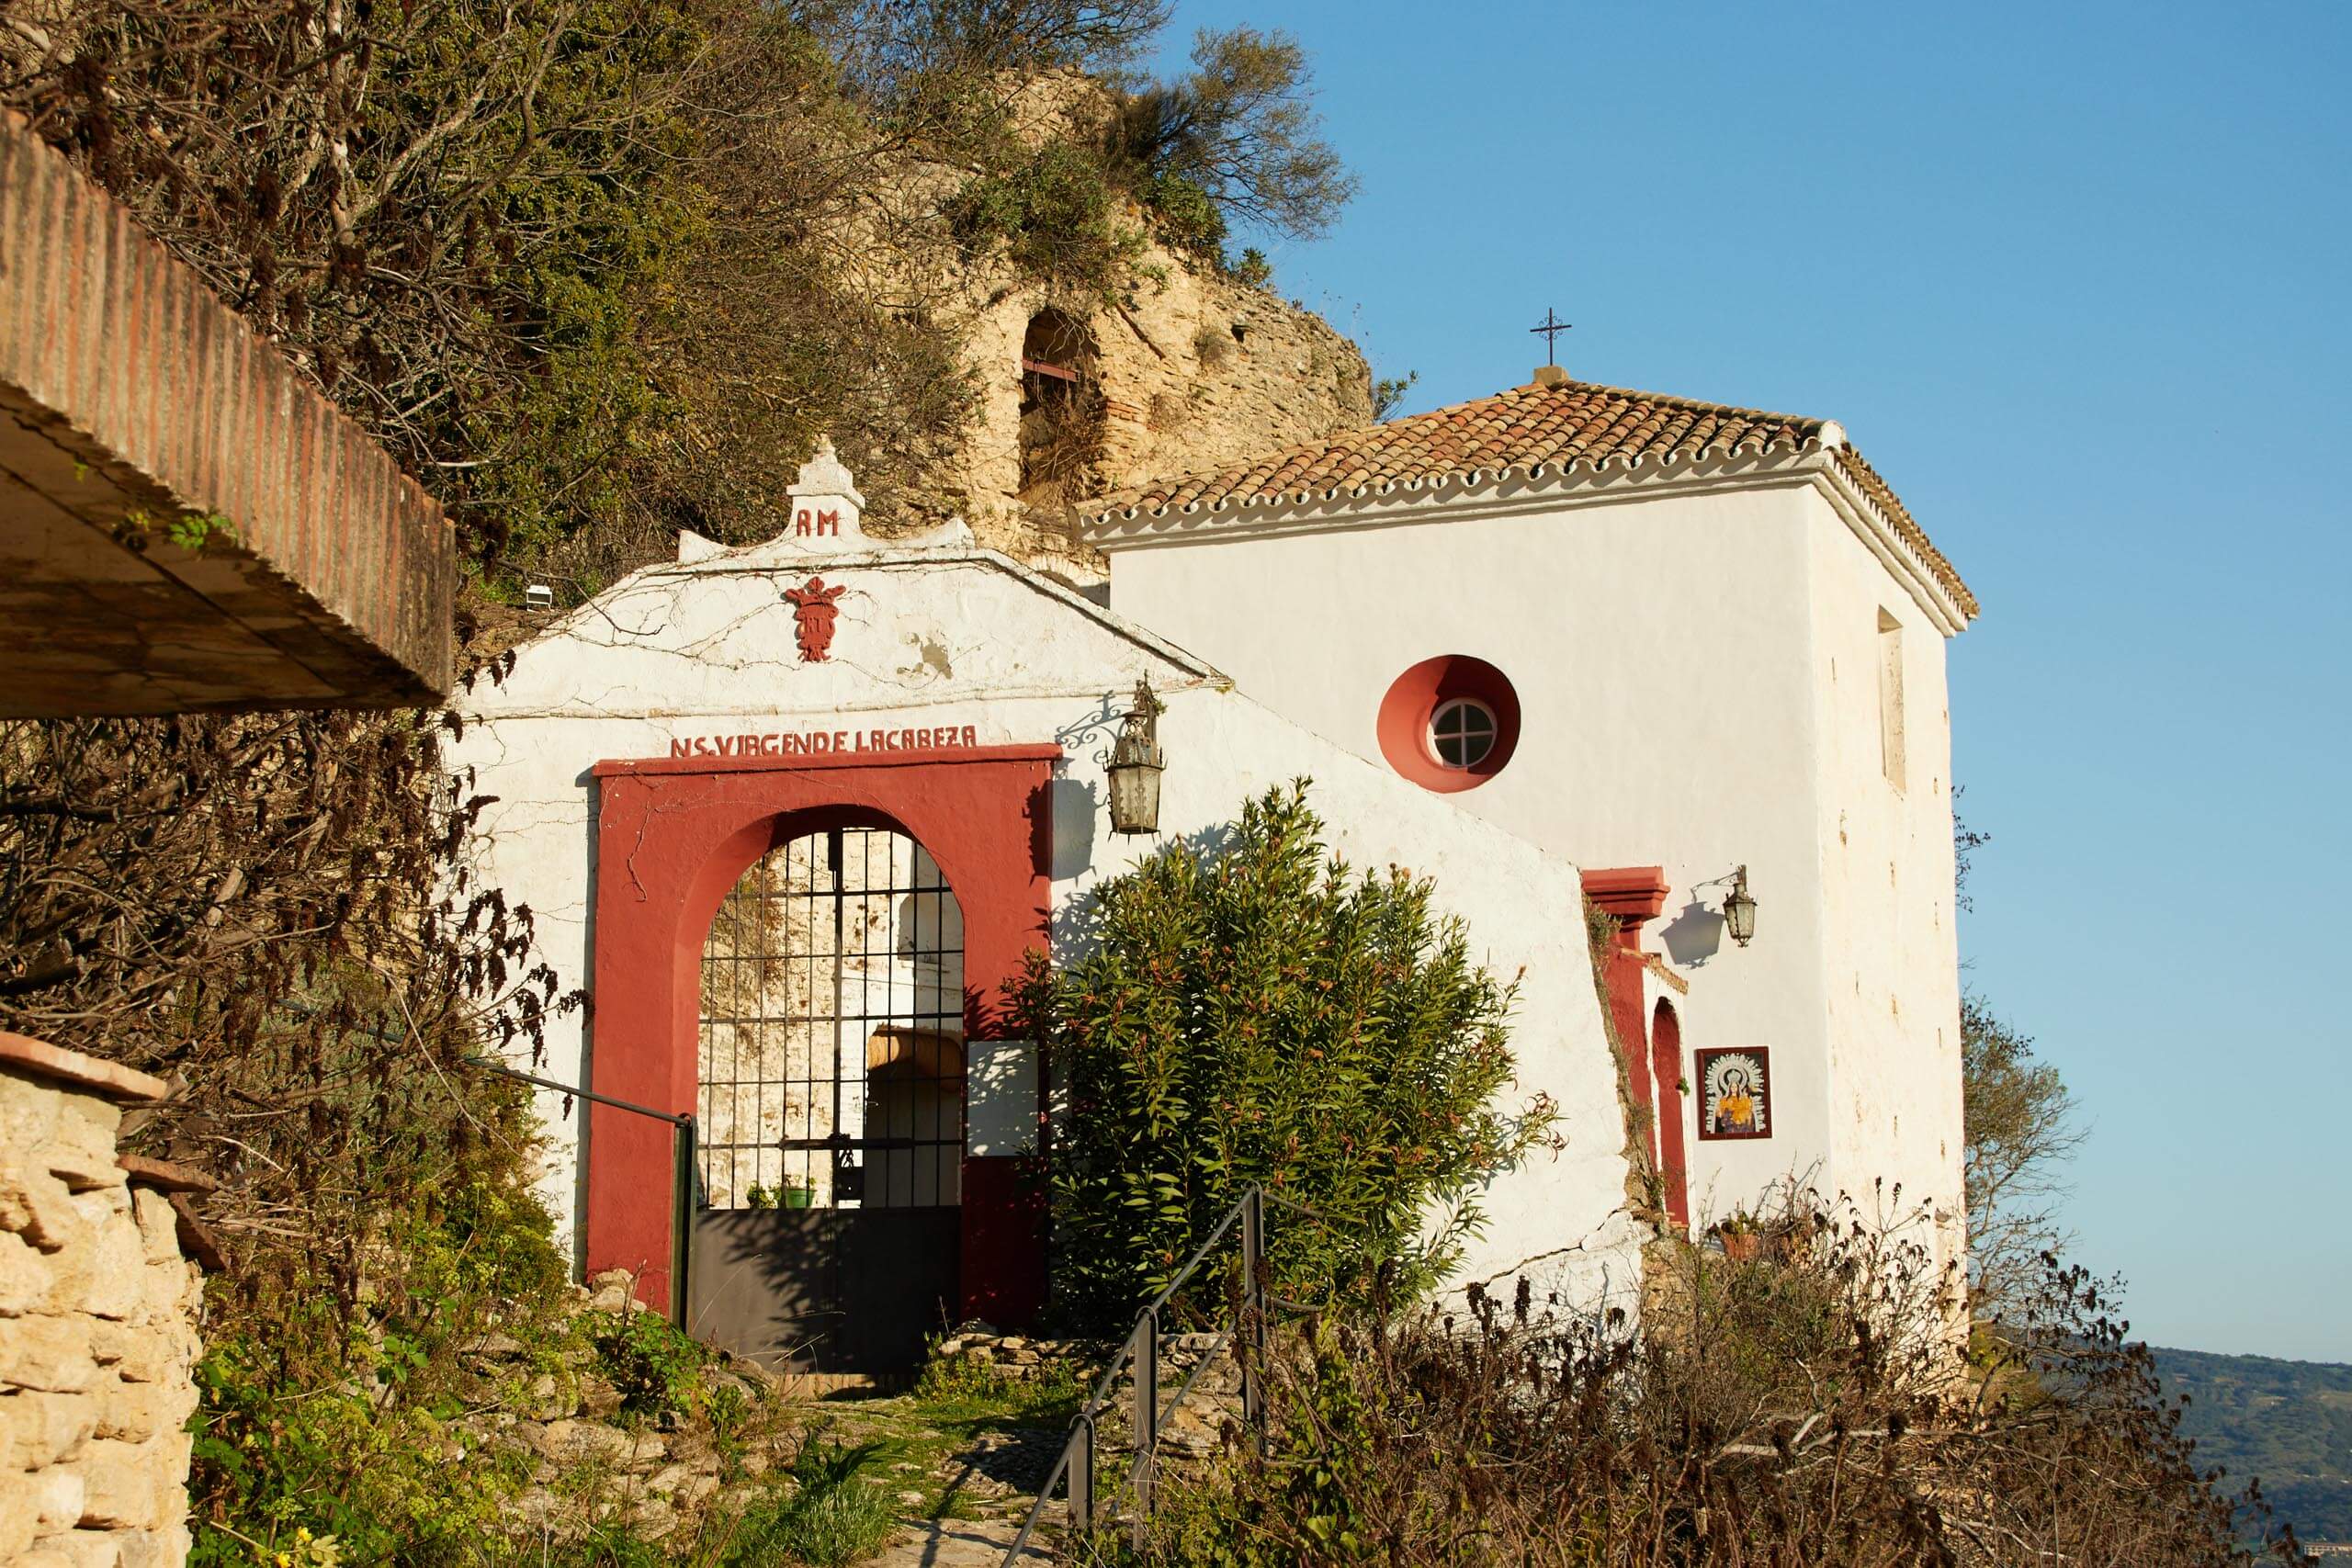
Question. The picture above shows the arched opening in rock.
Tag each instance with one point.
(1061, 410)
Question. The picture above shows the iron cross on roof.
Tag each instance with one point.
(1550, 329)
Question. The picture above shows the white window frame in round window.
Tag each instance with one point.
(1463, 722)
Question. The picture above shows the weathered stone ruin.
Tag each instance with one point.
(97, 1321)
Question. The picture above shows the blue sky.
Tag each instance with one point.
(2076, 278)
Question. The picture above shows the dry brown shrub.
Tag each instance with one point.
(1805, 1407)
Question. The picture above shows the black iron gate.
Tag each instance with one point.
(831, 1106)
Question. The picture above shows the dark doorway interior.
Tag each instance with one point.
(1061, 412)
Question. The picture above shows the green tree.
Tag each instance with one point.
(2019, 1129)
(1241, 127)
(2022, 1131)
(1245, 1008)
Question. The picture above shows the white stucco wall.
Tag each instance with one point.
(1893, 976)
(1670, 646)
(953, 637)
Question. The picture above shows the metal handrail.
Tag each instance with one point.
(1141, 1349)
(682, 1140)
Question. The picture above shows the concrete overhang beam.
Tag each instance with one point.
(186, 523)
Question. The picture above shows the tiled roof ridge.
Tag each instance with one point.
(1701, 405)
(1532, 430)
(1138, 499)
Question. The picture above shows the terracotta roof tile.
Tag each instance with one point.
(1568, 423)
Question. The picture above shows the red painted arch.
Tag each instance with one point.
(672, 836)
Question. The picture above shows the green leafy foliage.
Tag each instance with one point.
(1388, 392)
(2022, 1129)
(654, 1366)
(962, 1387)
(330, 1427)
(1057, 213)
(1245, 1008)
(1240, 128)
(1185, 215)
(1234, 139)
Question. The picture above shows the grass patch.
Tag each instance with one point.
(917, 1442)
(836, 1516)
(957, 1388)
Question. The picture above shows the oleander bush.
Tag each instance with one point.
(1246, 1007)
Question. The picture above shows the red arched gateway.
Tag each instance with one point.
(673, 837)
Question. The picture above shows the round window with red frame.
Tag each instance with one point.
(1450, 723)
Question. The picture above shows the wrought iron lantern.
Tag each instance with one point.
(1740, 909)
(1135, 764)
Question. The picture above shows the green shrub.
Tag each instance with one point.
(960, 1379)
(1056, 213)
(1256, 1011)
(656, 1368)
(324, 1431)
(332, 1473)
(1187, 217)
(962, 1386)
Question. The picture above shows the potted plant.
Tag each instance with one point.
(1740, 1238)
(798, 1194)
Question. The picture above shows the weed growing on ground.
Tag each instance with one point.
(835, 1517)
(654, 1366)
(960, 1388)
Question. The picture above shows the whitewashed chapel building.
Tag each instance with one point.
(792, 814)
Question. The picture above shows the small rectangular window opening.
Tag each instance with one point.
(1890, 697)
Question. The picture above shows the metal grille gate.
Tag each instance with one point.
(831, 1105)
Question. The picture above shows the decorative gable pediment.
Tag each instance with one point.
(752, 631)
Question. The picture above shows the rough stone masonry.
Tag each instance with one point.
(97, 1323)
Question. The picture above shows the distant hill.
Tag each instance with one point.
(2287, 1424)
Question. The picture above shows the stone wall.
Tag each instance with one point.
(97, 1324)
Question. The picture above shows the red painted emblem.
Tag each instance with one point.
(813, 611)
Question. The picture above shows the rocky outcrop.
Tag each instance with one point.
(98, 1314)
(1180, 367)
(1199, 371)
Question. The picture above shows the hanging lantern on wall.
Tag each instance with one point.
(1135, 764)
(1740, 909)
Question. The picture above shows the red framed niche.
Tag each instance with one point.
(672, 836)
(1414, 698)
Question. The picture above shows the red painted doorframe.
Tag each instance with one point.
(672, 836)
(1632, 896)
